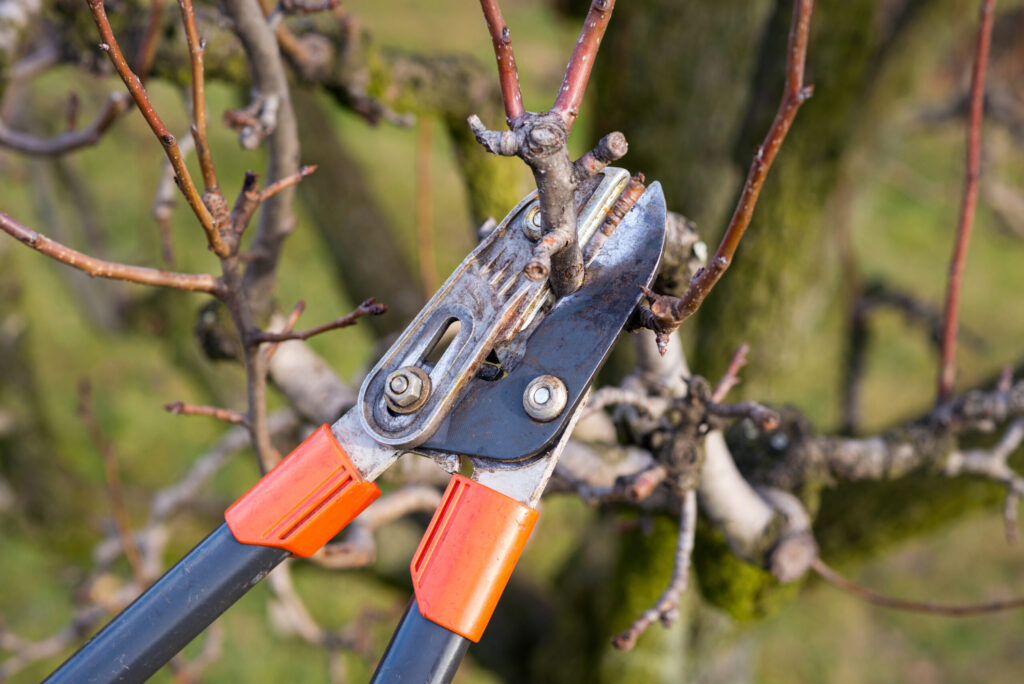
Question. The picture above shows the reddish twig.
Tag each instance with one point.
(577, 72)
(829, 575)
(170, 145)
(762, 416)
(368, 308)
(112, 472)
(249, 198)
(196, 48)
(731, 377)
(508, 75)
(99, 268)
(667, 313)
(947, 369)
(180, 408)
(72, 139)
(150, 39)
(289, 325)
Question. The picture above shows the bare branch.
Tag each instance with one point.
(829, 575)
(289, 325)
(196, 47)
(669, 312)
(732, 373)
(99, 268)
(947, 369)
(170, 145)
(115, 105)
(577, 72)
(368, 308)
(508, 75)
(666, 608)
(180, 408)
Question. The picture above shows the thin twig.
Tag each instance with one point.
(289, 325)
(669, 312)
(762, 416)
(170, 145)
(369, 307)
(577, 71)
(71, 140)
(666, 608)
(147, 49)
(99, 268)
(112, 472)
(196, 48)
(180, 408)
(508, 75)
(947, 369)
(829, 575)
(732, 374)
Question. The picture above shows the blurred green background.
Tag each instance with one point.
(896, 201)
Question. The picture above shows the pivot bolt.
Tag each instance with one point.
(533, 228)
(545, 398)
(406, 389)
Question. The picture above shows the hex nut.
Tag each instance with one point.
(533, 225)
(545, 398)
(406, 389)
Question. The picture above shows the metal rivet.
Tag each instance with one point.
(545, 398)
(533, 225)
(406, 389)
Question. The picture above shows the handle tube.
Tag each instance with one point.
(168, 615)
(420, 652)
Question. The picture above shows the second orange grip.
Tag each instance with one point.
(467, 555)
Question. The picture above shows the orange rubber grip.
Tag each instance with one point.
(305, 500)
(467, 555)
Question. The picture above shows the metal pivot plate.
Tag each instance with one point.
(490, 301)
(570, 343)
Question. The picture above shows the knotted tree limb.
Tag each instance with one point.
(541, 140)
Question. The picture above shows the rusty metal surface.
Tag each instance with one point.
(492, 301)
(570, 342)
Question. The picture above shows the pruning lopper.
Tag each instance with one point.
(504, 394)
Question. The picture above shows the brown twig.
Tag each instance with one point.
(196, 48)
(762, 416)
(112, 472)
(667, 313)
(666, 608)
(150, 39)
(731, 378)
(508, 75)
(170, 145)
(180, 408)
(947, 369)
(289, 324)
(99, 268)
(831, 576)
(577, 72)
(71, 140)
(369, 307)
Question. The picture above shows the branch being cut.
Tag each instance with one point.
(666, 313)
(947, 369)
(540, 140)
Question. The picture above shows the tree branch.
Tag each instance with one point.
(947, 369)
(99, 268)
